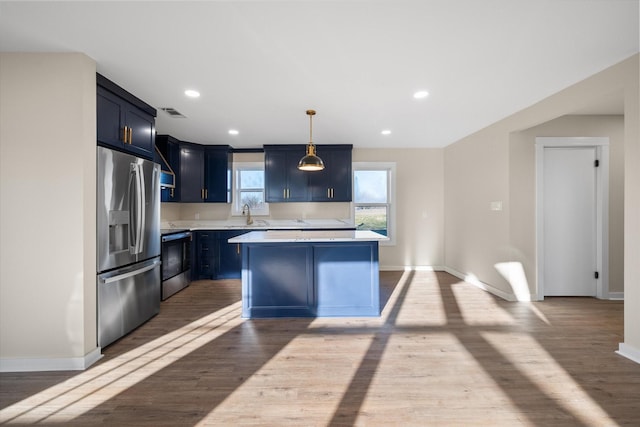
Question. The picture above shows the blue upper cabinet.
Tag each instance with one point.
(333, 184)
(124, 122)
(217, 174)
(205, 173)
(191, 177)
(284, 182)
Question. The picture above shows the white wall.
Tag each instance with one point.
(47, 210)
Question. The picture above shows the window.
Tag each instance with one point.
(248, 178)
(373, 196)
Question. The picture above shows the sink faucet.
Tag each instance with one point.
(248, 213)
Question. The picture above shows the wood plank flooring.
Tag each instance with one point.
(443, 353)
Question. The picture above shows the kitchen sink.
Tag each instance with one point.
(259, 223)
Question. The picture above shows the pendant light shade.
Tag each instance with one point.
(311, 162)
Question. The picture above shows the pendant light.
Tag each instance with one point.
(311, 162)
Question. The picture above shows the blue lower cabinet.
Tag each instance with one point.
(214, 257)
(229, 255)
(310, 279)
(204, 257)
(346, 279)
(277, 283)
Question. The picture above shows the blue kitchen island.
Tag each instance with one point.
(300, 273)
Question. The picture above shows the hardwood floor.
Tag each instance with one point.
(443, 353)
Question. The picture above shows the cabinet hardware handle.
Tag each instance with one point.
(328, 193)
(171, 193)
(238, 248)
(206, 193)
(284, 193)
(130, 135)
(288, 193)
(332, 193)
(125, 134)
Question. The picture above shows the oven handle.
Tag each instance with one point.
(176, 236)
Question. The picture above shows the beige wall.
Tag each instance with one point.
(47, 207)
(419, 186)
(632, 214)
(480, 169)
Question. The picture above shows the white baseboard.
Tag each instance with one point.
(616, 295)
(58, 364)
(411, 268)
(495, 291)
(629, 352)
(486, 287)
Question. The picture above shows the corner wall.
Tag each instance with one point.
(631, 346)
(478, 171)
(47, 211)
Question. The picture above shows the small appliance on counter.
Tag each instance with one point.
(176, 261)
(128, 243)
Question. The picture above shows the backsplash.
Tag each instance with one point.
(222, 211)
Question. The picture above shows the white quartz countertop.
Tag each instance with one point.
(273, 236)
(258, 224)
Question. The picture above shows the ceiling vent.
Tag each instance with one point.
(173, 112)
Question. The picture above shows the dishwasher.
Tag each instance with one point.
(176, 261)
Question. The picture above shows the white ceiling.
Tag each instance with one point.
(260, 65)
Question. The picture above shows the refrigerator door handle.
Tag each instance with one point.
(141, 210)
(137, 212)
(133, 223)
(130, 273)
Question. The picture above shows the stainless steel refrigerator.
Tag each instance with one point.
(128, 243)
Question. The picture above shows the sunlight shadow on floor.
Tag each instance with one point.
(79, 394)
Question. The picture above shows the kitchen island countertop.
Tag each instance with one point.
(308, 236)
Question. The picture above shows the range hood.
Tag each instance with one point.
(167, 176)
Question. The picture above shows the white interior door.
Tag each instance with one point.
(569, 221)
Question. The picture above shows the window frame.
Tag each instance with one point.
(236, 207)
(390, 168)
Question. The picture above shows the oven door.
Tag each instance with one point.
(176, 263)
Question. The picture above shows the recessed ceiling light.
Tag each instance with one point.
(386, 132)
(192, 93)
(421, 94)
(233, 132)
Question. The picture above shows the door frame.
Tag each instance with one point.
(602, 206)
